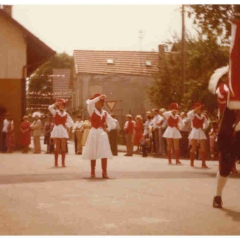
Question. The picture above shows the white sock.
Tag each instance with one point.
(221, 181)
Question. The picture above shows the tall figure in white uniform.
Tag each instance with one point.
(59, 133)
(97, 145)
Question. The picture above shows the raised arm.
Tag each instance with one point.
(51, 109)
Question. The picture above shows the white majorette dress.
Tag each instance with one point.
(61, 120)
(174, 124)
(198, 124)
(97, 145)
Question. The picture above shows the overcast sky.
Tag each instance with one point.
(101, 27)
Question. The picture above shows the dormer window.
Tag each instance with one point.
(148, 63)
(110, 61)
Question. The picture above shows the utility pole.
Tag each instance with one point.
(183, 50)
(141, 36)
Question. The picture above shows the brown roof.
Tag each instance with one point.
(37, 51)
(125, 62)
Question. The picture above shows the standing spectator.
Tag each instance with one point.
(155, 128)
(36, 127)
(186, 129)
(212, 140)
(199, 123)
(4, 132)
(172, 133)
(138, 132)
(147, 133)
(113, 137)
(10, 136)
(162, 125)
(48, 127)
(26, 134)
(129, 131)
(78, 133)
(59, 133)
(86, 129)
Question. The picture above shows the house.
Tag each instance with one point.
(21, 53)
(122, 75)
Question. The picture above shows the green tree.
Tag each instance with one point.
(41, 82)
(203, 56)
(214, 19)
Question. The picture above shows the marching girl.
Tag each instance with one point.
(172, 133)
(59, 133)
(97, 145)
(199, 123)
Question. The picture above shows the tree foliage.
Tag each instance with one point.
(202, 58)
(40, 80)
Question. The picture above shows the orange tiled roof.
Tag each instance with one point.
(124, 62)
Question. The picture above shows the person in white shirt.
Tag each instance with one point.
(62, 121)
(155, 130)
(36, 127)
(4, 132)
(78, 132)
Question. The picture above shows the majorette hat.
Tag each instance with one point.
(197, 104)
(62, 101)
(173, 106)
(96, 95)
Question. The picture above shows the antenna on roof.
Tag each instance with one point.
(141, 35)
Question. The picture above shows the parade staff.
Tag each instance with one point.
(97, 145)
(59, 133)
(199, 123)
(172, 133)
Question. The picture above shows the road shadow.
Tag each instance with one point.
(233, 214)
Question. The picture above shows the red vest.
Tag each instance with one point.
(173, 122)
(198, 123)
(60, 120)
(96, 120)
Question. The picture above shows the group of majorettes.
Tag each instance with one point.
(172, 134)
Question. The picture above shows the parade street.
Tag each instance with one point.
(144, 196)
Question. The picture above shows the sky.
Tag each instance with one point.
(66, 28)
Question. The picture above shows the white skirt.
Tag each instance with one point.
(197, 134)
(172, 132)
(59, 132)
(97, 145)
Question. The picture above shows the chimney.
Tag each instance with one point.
(161, 49)
(7, 9)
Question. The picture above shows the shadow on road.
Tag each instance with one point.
(30, 178)
(233, 214)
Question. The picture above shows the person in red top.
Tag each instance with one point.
(129, 133)
(59, 133)
(172, 133)
(97, 145)
(138, 131)
(26, 134)
(199, 123)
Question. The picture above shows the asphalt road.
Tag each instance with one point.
(144, 196)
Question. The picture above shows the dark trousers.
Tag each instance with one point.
(4, 148)
(228, 142)
(113, 135)
(156, 140)
(184, 145)
(75, 142)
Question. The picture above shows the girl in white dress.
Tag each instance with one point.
(199, 123)
(59, 133)
(97, 145)
(172, 133)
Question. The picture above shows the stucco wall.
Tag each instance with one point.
(130, 90)
(12, 50)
